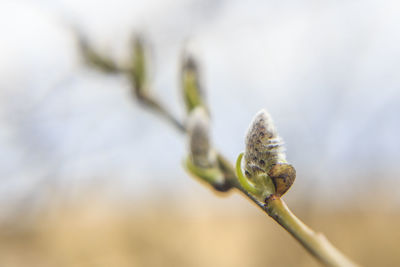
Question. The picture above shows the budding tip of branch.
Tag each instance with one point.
(138, 67)
(192, 92)
(189, 63)
(262, 125)
(265, 158)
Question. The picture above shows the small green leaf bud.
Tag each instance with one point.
(192, 91)
(139, 67)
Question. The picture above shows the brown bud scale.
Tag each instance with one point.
(283, 176)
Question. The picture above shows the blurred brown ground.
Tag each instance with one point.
(92, 232)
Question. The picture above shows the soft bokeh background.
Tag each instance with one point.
(90, 178)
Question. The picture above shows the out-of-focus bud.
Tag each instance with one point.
(199, 140)
(265, 158)
(192, 91)
(95, 59)
(139, 68)
(202, 161)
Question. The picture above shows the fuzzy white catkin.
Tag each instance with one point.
(264, 147)
(199, 140)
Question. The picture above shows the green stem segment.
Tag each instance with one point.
(156, 106)
(315, 243)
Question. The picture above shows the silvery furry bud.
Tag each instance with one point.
(265, 154)
(199, 139)
(202, 161)
(263, 145)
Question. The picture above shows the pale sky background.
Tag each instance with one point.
(327, 72)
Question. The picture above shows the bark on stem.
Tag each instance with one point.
(315, 243)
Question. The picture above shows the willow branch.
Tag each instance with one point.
(315, 243)
(156, 106)
(275, 207)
